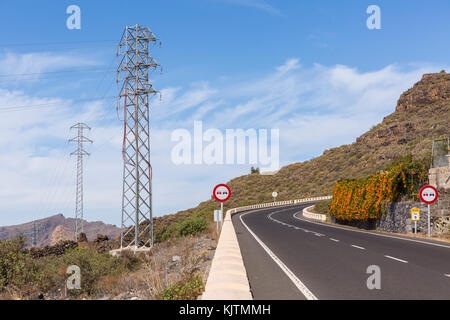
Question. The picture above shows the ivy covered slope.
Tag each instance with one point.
(422, 114)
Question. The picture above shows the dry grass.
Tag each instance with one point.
(159, 271)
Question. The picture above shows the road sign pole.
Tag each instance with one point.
(415, 228)
(429, 221)
(221, 210)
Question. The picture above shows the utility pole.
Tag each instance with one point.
(80, 139)
(133, 75)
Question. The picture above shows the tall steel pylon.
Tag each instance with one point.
(80, 152)
(133, 75)
(34, 233)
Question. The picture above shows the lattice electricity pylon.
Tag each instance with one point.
(33, 234)
(80, 152)
(133, 74)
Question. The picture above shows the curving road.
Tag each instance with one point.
(289, 257)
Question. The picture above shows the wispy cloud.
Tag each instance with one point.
(257, 4)
(314, 107)
(32, 64)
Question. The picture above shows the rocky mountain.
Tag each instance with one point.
(60, 233)
(58, 227)
(421, 115)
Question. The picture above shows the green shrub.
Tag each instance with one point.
(16, 267)
(95, 265)
(19, 270)
(191, 226)
(188, 289)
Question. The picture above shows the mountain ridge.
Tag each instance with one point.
(62, 225)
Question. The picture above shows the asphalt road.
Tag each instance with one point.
(288, 257)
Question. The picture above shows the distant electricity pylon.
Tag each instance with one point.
(34, 234)
(80, 152)
(133, 74)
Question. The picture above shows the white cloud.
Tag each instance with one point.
(315, 108)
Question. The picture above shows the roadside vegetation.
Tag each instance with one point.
(322, 207)
(187, 289)
(22, 276)
(367, 198)
(174, 269)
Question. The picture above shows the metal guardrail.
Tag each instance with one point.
(227, 279)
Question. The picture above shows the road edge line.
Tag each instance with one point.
(297, 282)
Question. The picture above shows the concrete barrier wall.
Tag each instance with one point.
(227, 279)
(307, 213)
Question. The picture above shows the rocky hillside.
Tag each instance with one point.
(60, 233)
(58, 227)
(422, 114)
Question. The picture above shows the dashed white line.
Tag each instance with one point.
(397, 259)
(335, 240)
(358, 247)
(370, 233)
(447, 275)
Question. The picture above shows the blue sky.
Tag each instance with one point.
(310, 68)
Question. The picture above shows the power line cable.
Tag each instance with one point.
(57, 72)
(52, 43)
(4, 109)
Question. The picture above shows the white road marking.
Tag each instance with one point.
(299, 284)
(358, 247)
(397, 259)
(447, 275)
(292, 226)
(335, 240)
(371, 233)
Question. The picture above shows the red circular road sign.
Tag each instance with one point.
(428, 194)
(222, 192)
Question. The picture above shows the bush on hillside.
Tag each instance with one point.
(364, 199)
(17, 268)
(20, 271)
(188, 289)
(193, 225)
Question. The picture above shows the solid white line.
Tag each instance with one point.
(300, 286)
(358, 247)
(372, 233)
(397, 259)
(334, 240)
